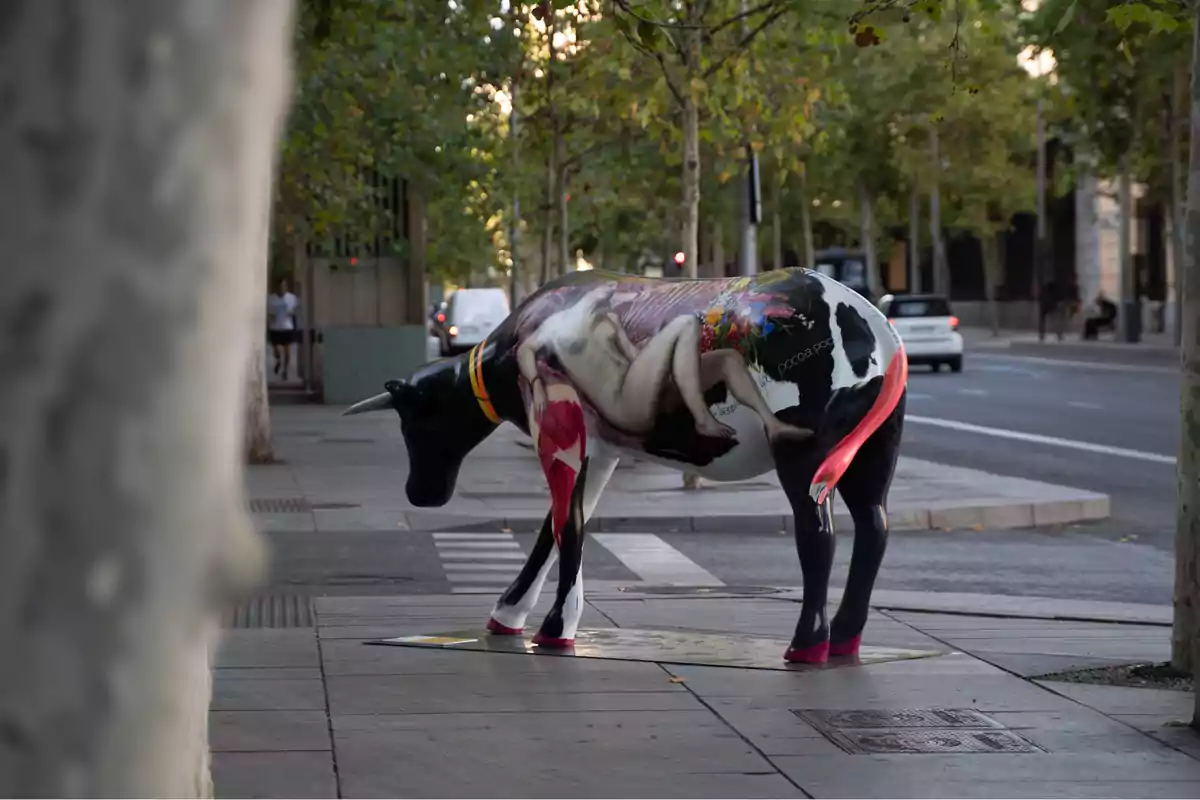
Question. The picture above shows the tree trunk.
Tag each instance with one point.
(717, 231)
(690, 210)
(941, 271)
(1129, 289)
(991, 244)
(134, 226)
(565, 262)
(914, 240)
(548, 203)
(1178, 208)
(866, 227)
(690, 244)
(1185, 637)
(777, 222)
(416, 285)
(810, 257)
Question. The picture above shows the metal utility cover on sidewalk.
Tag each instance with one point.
(899, 731)
(664, 647)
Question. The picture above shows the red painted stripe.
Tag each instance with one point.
(839, 458)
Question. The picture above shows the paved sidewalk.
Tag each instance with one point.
(1155, 349)
(347, 473)
(317, 712)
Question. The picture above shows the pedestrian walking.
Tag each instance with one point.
(281, 325)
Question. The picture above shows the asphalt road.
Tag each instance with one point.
(1107, 426)
(1110, 427)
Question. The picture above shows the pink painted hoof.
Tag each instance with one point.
(816, 654)
(502, 630)
(550, 642)
(846, 648)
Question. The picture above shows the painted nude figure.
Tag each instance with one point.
(627, 384)
(596, 366)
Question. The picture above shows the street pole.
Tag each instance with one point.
(1039, 249)
(751, 203)
(514, 230)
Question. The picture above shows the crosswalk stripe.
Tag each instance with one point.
(509, 568)
(479, 578)
(655, 561)
(451, 546)
(441, 536)
(474, 555)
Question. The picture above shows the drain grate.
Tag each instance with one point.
(280, 505)
(272, 611)
(901, 731)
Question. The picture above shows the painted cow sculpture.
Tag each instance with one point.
(788, 370)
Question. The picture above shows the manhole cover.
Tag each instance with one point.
(899, 718)
(915, 730)
(271, 611)
(930, 741)
(280, 505)
(668, 590)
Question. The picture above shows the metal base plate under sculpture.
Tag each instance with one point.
(700, 648)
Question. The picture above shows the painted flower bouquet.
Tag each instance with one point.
(740, 322)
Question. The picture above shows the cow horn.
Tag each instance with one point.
(377, 403)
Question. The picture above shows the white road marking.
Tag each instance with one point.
(973, 392)
(469, 537)
(478, 561)
(1035, 438)
(1085, 405)
(655, 561)
(476, 555)
(1109, 367)
(919, 396)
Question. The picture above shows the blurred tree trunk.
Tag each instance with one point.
(914, 240)
(810, 258)
(1185, 636)
(941, 271)
(866, 226)
(777, 223)
(991, 244)
(135, 225)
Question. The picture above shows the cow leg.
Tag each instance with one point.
(796, 464)
(512, 609)
(864, 488)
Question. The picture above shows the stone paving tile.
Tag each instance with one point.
(1031, 665)
(346, 657)
(579, 754)
(1126, 650)
(387, 694)
(1126, 699)
(1081, 730)
(237, 694)
(276, 731)
(273, 775)
(267, 648)
(999, 775)
(849, 689)
(387, 630)
(267, 673)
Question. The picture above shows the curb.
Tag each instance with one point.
(1087, 508)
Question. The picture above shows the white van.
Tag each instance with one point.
(471, 314)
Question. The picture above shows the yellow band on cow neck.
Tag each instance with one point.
(475, 368)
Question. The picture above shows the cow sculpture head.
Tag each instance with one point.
(441, 422)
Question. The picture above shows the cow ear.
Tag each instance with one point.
(402, 392)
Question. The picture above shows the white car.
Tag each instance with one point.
(472, 314)
(927, 327)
